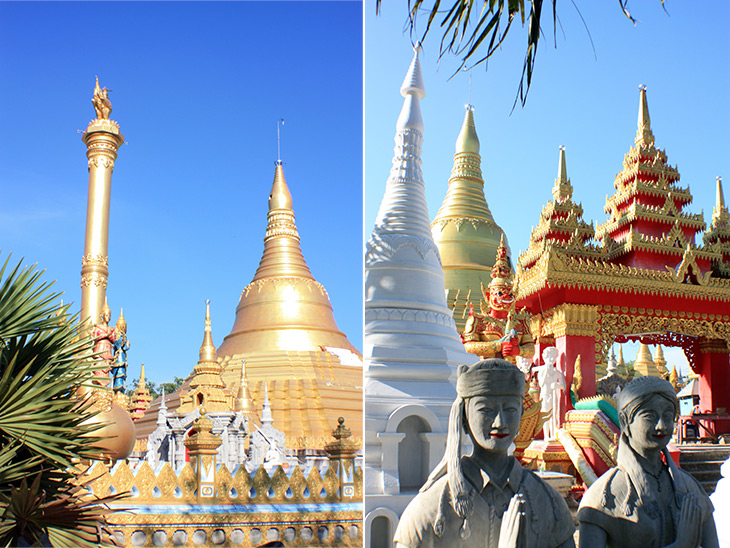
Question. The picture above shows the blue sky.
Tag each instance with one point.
(587, 103)
(197, 89)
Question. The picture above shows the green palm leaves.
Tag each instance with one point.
(45, 357)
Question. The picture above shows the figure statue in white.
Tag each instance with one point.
(552, 383)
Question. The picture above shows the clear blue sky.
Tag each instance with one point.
(589, 104)
(197, 89)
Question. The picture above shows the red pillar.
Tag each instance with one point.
(570, 347)
(713, 366)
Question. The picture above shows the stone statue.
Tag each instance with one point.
(552, 383)
(646, 501)
(121, 347)
(103, 336)
(101, 102)
(502, 332)
(487, 499)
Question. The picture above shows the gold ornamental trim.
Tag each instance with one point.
(557, 268)
(714, 346)
(460, 221)
(95, 260)
(570, 319)
(258, 285)
(93, 279)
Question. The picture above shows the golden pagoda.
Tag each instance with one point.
(284, 334)
(464, 230)
(644, 364)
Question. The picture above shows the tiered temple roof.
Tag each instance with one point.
(647, 226)
(561, 224)
(464, 229)
(647, 244)
(717, 236)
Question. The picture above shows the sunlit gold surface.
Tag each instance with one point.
(284, 307)
(464, 229)
(286, 333)
(118, 435)
(102, 139)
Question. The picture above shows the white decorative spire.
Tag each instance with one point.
(266, 417)
(162, 412)
(412, 348)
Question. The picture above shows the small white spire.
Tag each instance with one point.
(413, 90)
(162, 412)
(266, 416)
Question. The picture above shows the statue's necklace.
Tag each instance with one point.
(657, 477)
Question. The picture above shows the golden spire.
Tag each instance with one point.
(468, 141)
(141, 378)
(644, 136)
(720, 214)
(562, 189)
(207, 386)
(241, 399)
(282, 253)
(284, 307)
(207, 349)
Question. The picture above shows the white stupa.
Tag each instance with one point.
(412, 348)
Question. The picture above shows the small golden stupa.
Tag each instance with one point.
(464, 230)
(284, 334)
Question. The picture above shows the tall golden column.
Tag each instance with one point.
(102, 139)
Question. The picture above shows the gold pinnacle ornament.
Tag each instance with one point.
(102, 139)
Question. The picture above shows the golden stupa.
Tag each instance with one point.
(644, 364)
(464, 229)
(285, 336)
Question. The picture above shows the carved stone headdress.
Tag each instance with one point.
(491, 377)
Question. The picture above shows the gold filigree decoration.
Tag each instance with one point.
(93, 278)
(94, 260)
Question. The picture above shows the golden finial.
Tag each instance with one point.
(141, 378)
(280, 197)
(468, 141)
(562, 189)
(720, 214)
(207, 349)
(644, 136)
